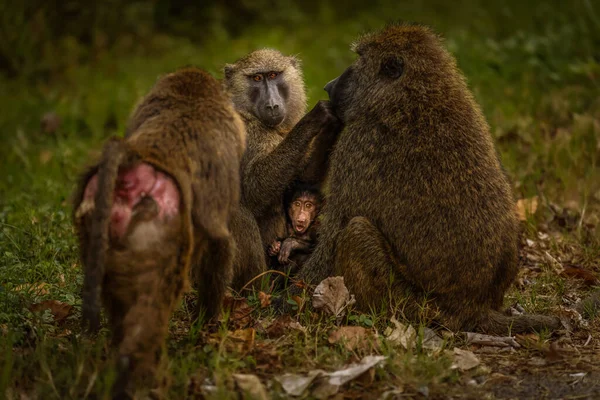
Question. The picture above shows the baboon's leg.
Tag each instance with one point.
(365, 260)
(249, 259)
(212, 274)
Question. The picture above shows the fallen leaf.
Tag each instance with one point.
(240, 312)
(38, 289)
(265, 299)
(576, 272)
(295, 384)
(464, 360)
(241, 340)
(282, 325)
(354, 337)
(45, 156)
(489, 340)
(250, 384)
(58, 309)
(526, 207)
(431, 341)
(401, 335)
(328, 383)
(332, 296)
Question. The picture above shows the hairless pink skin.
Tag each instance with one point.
(133, 184)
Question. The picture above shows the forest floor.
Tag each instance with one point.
(537, 80)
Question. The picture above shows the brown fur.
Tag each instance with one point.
(419, 208)
(276, 155)
(185, 127)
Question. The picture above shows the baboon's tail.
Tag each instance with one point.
(499, 324)
(113, 155)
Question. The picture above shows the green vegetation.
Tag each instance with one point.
(534, 68)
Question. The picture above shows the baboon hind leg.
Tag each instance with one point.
(365, 259)
(212, 274)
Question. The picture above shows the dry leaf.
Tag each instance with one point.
(489, 340)
(526, 207)
(282, 325)
(45, 156)
(250, 384)
(431, 341)
(240, 311)
(38, 289)
(464, 360)
(354, 337)
(332, 296)
(328, 382)
(59, 310)
(401, 334)
(265, 299)
(241, 340)
(576, 272)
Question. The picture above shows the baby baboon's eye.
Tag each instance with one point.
(392, 67)
(273, 75)
(257, 77)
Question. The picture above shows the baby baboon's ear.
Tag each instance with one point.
(229, 69)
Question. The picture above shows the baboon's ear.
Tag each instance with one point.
(229, 70)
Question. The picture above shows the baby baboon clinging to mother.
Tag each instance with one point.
(302, 204)
(418, 204)
(283, 145)
(158, 203)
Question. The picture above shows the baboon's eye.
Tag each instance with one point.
(392, 67)
(273, 75)
(257, 77)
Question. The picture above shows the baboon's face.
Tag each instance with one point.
(268, 92)
(268, 86)
(395, 67)
(303, 210)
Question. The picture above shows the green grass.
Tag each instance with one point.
(535, 70)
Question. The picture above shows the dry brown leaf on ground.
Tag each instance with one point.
(37, 289)
(326, 383)
(58, 309)
(588, 277)
(401, 334)
(432, 341)
(489, 340)
(464, 360)
(240, 312)
(526, 207)
(250, 385)
(332, 296)
(283, 325)
(354, 338)
(241, 340)
(265, 299)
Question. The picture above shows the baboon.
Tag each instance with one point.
(159, 203)
(418, 203)
(283, 145)
(302, 204)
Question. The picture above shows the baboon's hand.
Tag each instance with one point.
(274, 248)
(286, 250)
(322, 116)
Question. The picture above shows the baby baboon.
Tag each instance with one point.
(302, 204)
(417, 192)
(268, 92)
(158, 203)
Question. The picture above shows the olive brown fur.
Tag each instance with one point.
(283, 145)
(419, 209)
(186, 129)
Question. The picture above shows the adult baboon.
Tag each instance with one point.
(418, 204)
(158, 202)
(268, 92)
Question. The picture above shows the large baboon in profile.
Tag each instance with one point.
(158, 203)
(419, 205)
(283, 145)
